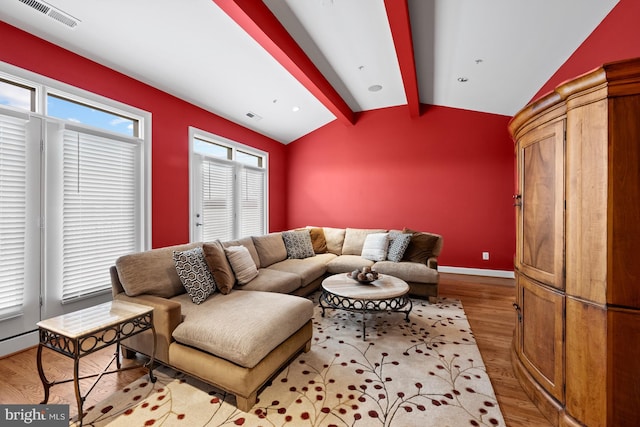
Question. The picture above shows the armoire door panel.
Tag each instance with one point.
(541, 221)
(542, 335)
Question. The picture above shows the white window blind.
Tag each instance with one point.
(217, 182)
(252, 202)
(13, 214)
(100, 176)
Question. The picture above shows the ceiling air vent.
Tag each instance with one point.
(253, 116)
(52, 12)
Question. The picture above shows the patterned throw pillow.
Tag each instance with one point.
(298, 244)
(194, 274)
(375, 246)
(242, 264)
(398, 246)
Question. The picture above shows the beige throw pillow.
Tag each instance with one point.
(354, 239)
(242, 264)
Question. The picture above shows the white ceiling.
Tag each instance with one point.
(195, 50)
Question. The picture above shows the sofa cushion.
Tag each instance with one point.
(347, 263)
(270, 248)
(243, 326)
(271, 280)
(421, 247)
(307, 269)
(151, 272)
(219, 265)
(241, 263)
(354, 240)
(398, 244)
(194, 274)
(407, 271)
(298, 244)
(375, 246)
(247, 242)
(334, 238)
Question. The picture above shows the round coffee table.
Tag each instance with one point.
(388, 293)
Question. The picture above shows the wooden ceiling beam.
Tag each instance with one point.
(400, 24)
(261, 24)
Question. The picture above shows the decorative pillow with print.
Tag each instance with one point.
(298, 244)
(398, 246)
(194, 274)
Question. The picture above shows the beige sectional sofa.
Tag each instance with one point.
(243, 334)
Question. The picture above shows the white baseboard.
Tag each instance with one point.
(477, 271)
(19, 343)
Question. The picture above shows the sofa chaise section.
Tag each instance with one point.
(150, 278)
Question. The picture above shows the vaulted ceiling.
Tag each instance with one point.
(287, 67)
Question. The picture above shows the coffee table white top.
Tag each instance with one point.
(92, 319)
(384, 288)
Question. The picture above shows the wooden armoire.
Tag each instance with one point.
(576, 348)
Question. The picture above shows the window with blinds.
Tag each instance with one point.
(13, 211)
(229, 188)
(100, 183)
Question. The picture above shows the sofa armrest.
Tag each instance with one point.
(116, 286)
(167, 315)
(432, 263)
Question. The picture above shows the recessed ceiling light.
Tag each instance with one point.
(375, 88)
(295, 109)
(463, 79)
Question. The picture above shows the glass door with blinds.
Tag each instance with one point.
(20, 236)
(228, 189)
(73, 198)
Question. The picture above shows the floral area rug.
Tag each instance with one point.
(425, 372)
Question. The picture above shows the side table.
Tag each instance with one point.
(86, 331)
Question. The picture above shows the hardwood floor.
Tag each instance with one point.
(488, 305)
(487, 302)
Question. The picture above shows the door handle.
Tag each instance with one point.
(518, 311)
(517, 200)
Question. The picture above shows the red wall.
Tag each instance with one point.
(449, 172)
(616, 38)
(171, 118)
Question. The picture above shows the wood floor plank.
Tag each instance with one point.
(487, 302)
